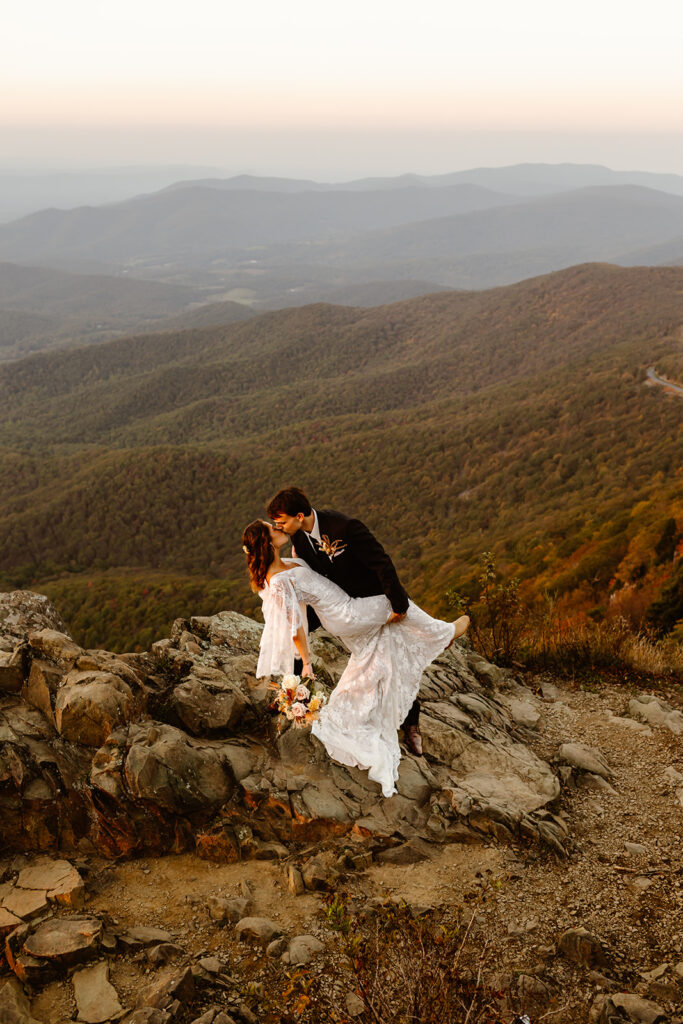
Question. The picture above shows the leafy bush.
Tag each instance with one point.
(665, 613)
(497, 617)
(546, 636)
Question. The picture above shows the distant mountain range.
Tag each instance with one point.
(31, 191)
(273, 242)
(25, 192)
(518, 179)
(510, 243)
(516, 419)
(215, 251)
(200, 222)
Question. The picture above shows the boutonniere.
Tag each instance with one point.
(331, 548)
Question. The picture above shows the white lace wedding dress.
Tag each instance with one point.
(359, 725)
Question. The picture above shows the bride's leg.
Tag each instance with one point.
(461, 626)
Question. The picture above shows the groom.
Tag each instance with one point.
(344, 550)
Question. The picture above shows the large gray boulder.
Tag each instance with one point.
(163, 765)
(208, 702)
(91, 705)
(23, 612)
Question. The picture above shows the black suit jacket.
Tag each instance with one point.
(359, 563)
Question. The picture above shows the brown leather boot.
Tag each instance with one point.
(413, 739)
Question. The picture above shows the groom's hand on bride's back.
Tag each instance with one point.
(396, 617)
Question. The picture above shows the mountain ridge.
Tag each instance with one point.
(516, 420)
(265, 248)
(44, 308)
(522, 179)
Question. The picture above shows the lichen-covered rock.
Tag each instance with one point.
(165, 767)
(229, 629)
(162, 765)
(23, 612)
(54, 646)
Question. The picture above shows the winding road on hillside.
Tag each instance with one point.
(656, 379)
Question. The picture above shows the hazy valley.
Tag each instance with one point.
(271, 243)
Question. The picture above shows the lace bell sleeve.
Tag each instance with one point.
(283, 618)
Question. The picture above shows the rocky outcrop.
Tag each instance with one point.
(653, 710)
(177, 749)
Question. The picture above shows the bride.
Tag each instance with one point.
(359, 725)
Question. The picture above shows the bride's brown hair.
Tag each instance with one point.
(259, 551)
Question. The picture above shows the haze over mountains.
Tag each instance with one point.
(25, 192)
(270, 243)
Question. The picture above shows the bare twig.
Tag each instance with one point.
(476, 986)
(644, 871)
(464, 940)
(551, 1013)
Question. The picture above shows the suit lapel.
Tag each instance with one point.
(307, 550)
(326, 524)
(322, 523)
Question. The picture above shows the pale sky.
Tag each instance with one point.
(85, 82)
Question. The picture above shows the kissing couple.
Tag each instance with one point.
(340, 577)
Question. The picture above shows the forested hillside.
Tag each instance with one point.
(516, 420)
(43, 308)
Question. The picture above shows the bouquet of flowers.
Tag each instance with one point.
(296, 701)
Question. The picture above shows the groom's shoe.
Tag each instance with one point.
(413, 740)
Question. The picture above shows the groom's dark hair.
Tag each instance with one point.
(289, 502)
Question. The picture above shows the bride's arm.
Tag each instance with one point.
(301, 644)
(285, 629)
